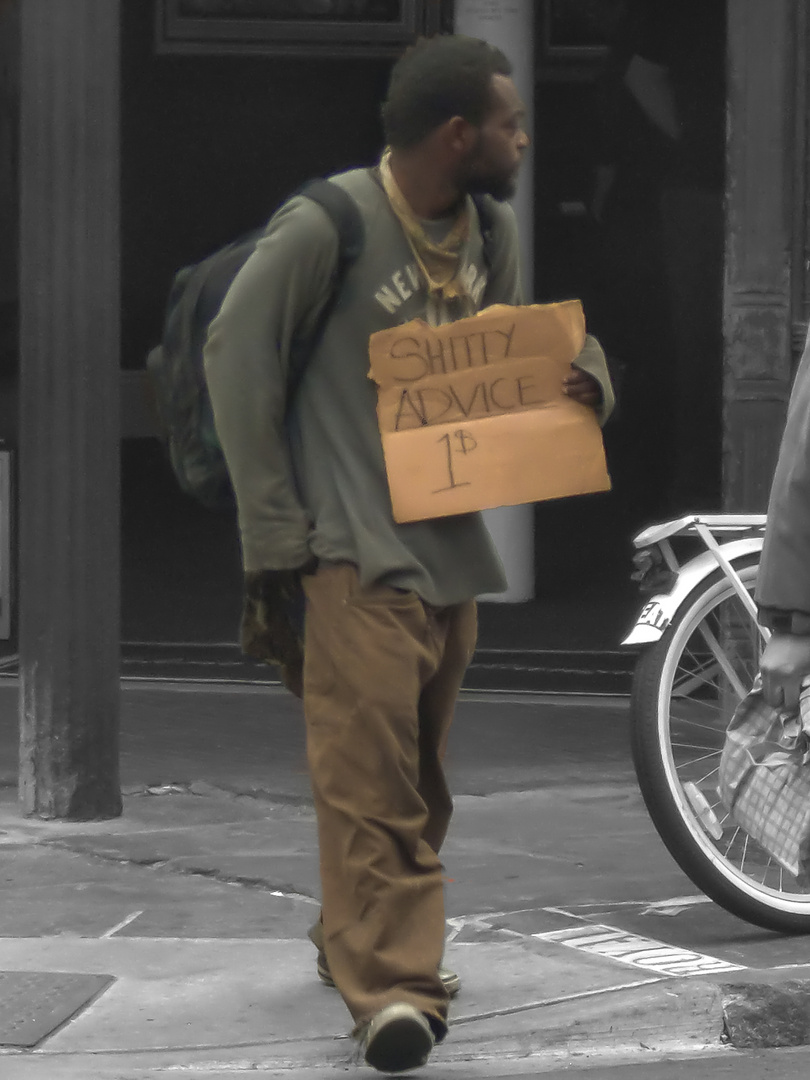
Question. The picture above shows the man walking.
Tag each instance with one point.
(391, 619)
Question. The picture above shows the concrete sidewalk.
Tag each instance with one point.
(195, 906)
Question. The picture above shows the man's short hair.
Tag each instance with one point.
(436, 79)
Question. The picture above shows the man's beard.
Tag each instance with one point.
(500, 188)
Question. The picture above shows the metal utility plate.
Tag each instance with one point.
(35, 1003)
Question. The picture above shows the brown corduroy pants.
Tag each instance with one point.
(382, 672)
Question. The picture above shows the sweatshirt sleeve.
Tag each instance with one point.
(274, 299)
(783, 580)
(592, 360)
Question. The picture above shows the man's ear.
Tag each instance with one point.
(460, 135)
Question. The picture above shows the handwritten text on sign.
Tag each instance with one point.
(472, 415)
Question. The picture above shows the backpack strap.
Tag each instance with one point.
(343, 211)
(486, 223)
(344, 214)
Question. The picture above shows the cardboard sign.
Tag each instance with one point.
(473, 415)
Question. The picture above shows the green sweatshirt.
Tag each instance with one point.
(310, 479)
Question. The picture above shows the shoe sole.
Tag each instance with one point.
(326, 977)
(400, 1044)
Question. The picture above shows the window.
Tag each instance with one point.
(295, 27)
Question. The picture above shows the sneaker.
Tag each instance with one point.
(398, 1038)
(450, 980)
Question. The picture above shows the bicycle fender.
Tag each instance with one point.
(659, 611)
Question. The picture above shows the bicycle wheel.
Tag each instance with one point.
(685, 689)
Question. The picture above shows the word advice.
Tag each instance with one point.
(472, 415)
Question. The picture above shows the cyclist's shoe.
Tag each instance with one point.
(398, 1038)
(450, 980)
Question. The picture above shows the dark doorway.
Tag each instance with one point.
(211, 145)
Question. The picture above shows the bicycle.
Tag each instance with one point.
(700, 650)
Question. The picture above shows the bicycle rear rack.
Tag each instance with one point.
(717, 524)
(707, 527)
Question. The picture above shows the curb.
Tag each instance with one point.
(670, 1016)
(761, 1015)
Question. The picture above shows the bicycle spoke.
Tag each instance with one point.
(745, 851)
(723, 661)
(687, 721)
(730, 844)
(695, 677)
(698, 712)
(712, 772)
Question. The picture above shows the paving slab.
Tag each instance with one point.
(179, 993)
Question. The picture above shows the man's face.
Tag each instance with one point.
(492, 165)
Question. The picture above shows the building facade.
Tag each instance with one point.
(219, 112)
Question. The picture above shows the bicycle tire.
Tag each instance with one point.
(774, 902)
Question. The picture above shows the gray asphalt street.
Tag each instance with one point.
(548, 815)
(196, 902)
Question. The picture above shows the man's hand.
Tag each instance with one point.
(271, 602)
(582, 387)
(785, 662)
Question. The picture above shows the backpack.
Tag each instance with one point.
(175, 366)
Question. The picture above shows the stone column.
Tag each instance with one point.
(9, 108)
(766, 164)
(509, 24)
(69, 422)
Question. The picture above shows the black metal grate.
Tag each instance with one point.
(34, 1003)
